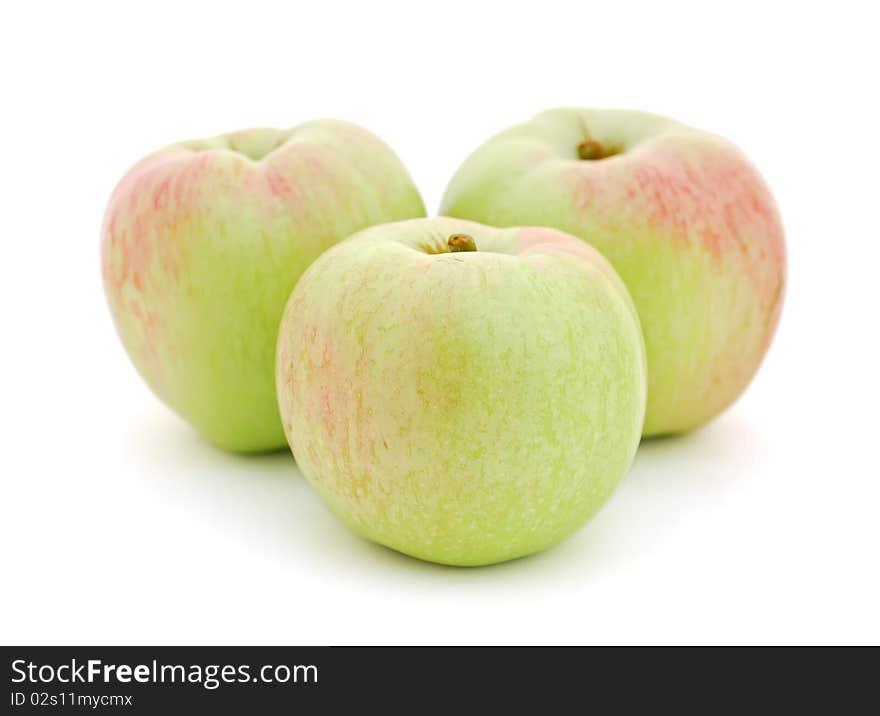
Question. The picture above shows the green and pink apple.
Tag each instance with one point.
(460, 393)
(203, 242)
(682, 215)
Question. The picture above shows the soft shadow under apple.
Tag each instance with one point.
(267, 501)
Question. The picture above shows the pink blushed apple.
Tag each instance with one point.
(460, 393)
(683, 216)
(203, 242)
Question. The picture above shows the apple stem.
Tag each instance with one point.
(590, 149)
(461, 242)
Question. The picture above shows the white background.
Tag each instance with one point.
(120, 526)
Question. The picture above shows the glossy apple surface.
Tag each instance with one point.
(460, 393)
(682, 215)
(203, 242)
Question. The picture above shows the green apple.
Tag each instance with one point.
(203, 242)
(687, 222)
(460, 393)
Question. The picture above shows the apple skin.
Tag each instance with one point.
(464, 408)
(681, 214)
(203, 242)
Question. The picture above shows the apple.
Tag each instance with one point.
(203, 242)
(681, 214)
(460, 393)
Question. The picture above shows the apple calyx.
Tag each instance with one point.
(590, 149)
(461, 242)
